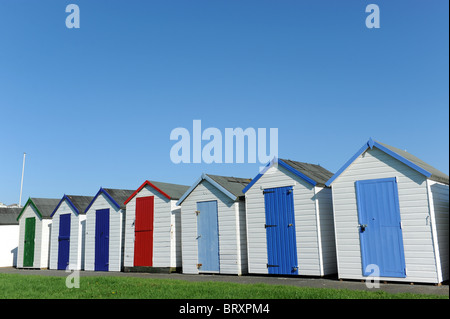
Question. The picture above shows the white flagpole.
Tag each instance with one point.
(21, 183)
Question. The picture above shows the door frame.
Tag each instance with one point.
(199, 240)
(285, 231)
(145, 235)
(67, 218)
(361, 221)
(102, 255)
(28, 250)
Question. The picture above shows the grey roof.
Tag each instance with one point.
(8, 216)
(175, 191)
(80, 202)
(45, 205)
(234, 185)
(119, 195)
(436, 175)
(316, 172)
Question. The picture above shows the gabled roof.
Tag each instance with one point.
(78, 203)
(8, 216)
(43, 206)
(311, 173)
(230, 186)
(116, 196)
(170, 191)
(406, 158)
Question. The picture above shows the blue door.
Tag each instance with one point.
(280, 231)
(207, 236)
(64, 241)
(102, 240)
(380, 227)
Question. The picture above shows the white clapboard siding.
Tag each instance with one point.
(313, 224)
(231, 228)
(165, 231)
(77, 232)
(439, 200)
(9, 239)
(41, 239)
(115, 234)
(415, 213)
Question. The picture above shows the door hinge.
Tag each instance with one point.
(265, 225)
(197, 212)
(266, 192)
(272, 266)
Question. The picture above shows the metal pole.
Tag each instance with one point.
(21, 183)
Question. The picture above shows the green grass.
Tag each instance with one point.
(43, 287)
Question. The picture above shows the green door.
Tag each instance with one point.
(28, 253)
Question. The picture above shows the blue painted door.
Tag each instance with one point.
(64, 241)
(380, 226)
(280, 231)
(102, 240)
(207, 236)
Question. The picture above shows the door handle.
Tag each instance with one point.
(198, 236)
(362, 227)
(290, 225)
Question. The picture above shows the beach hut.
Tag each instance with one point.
(290, 220)
(152, 228)
(68, 233)
(213, 226)
(391, 216)
(9, 236)
(34, 233)
(104, 230)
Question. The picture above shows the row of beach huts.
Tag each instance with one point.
(384, 210)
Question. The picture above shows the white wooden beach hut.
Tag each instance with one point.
(391, 216)
(104, 243)
(34, 233)
(290, 220)
(152, 228)
(68, 233)
(9, 236)
(213, 226)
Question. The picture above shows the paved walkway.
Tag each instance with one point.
(248, 279)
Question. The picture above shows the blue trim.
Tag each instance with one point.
(257, 177)
(299, 174)
(107, 195)
(69, 201)
(347, 164)
(403, 160)
(209, 179)
(370, 144)
(286, 166)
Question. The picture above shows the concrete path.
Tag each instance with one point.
(247, 279)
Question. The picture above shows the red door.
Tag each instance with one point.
(143, 231)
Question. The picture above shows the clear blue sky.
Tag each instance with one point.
(95, 106)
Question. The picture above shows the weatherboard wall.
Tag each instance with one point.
(439, 203)
(41, 239)
(77, 239)
(116, 216)
(9, 239)
(166, 233)
(313, 224)
(415, 214)
(231, 228)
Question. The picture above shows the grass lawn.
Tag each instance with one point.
(43, 287)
